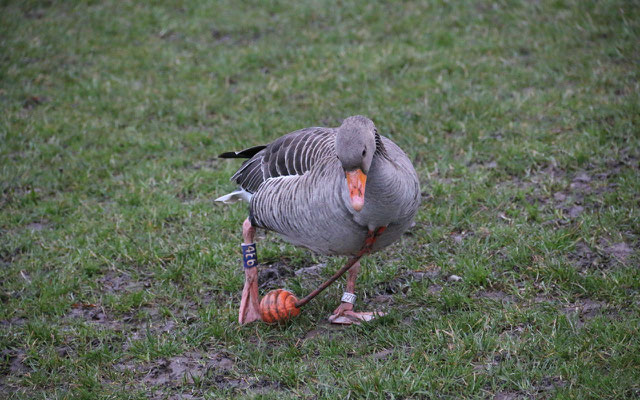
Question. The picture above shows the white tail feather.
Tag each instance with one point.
(235, 197)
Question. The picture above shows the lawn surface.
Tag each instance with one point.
(120, 278)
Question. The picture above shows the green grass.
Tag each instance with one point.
(120, 278)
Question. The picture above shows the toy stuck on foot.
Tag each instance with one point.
(345, 191)
(278, 306)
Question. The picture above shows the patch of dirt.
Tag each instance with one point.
(220, 36)
(101, 318)
(238, 37)
(131, 323)
(574, 211)
(381, 355)
(264, 386)
(543, 299)
(576, 193)
(585, 309)
(186, 368)
(274, 276)
(434, 289)
(324, 329)
(541, 390)
(458, 237)
(496, 295)
(603, 256)
(34, 101)
(17, 321)
(119, 281)
(8, 257)
(620, 251)
(314, 333)
(12, 194)
(312, 271)
(402, 281)
(88, 312)
(12, 366)
(509, 395)
(570, 201)
(550, 384)
(584, 257)
(37, 226)
(197, 371)
(514, 331)
(581, 182)
(176, 396)
(484, 366)
(36, 13)
(381, 299)
(12, 363)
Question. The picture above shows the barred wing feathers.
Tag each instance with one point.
(290, 155)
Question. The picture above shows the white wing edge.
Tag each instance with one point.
(234, 197)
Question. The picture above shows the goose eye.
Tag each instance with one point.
(364, 152)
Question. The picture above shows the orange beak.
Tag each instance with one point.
(356, 181)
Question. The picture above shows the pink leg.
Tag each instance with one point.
(351, 288)
(250, 302)
(344, 314)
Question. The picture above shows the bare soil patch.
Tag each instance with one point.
(603, 255)
(402, 281)
(118, 281)
(496, 295)
(197, 370)
(171, 372)
(12, 362)
(584, 310)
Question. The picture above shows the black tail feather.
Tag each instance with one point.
(246, 153)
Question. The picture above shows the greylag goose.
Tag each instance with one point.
(309, 186)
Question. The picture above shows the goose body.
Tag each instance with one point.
(296, 187)
(336, 191)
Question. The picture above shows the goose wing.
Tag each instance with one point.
(292, 154)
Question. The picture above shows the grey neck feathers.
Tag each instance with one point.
(380, 149)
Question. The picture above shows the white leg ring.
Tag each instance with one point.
(348, 298)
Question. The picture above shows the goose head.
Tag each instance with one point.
(355, 146)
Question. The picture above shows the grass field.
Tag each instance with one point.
(120, 278)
